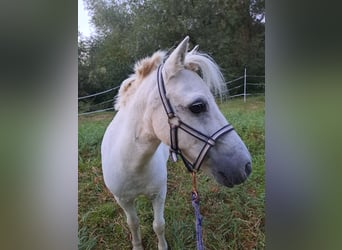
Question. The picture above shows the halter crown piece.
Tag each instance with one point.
(176, 123)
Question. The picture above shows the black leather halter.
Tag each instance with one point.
(176, 123)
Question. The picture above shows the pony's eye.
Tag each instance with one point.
(197, 107)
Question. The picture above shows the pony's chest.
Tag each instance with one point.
(127, 185)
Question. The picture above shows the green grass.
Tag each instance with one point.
(232, 218)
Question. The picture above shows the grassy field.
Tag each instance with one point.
(232, 218)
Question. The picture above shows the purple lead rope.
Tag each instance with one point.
(195, 204)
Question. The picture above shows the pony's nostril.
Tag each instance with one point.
(248, 168)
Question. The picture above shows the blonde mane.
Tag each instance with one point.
(195, 61)
(141, 69)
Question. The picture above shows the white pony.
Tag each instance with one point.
(135, 147)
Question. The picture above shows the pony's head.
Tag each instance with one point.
(190, 78)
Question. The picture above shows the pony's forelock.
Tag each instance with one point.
(209, 71)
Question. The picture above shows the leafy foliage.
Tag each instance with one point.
(231, 31)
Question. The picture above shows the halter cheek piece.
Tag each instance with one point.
(176, 123)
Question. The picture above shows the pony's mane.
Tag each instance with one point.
(141, 69)
(200, 63)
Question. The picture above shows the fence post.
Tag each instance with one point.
(244, 86)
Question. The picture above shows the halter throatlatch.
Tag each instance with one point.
(176, 123)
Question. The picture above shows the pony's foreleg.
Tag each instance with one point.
(132, 221)
(158, 203)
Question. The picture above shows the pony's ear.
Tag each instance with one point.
(194, 50)
(175, 62)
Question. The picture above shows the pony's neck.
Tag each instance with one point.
(138, 119)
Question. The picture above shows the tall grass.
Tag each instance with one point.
(232, 218)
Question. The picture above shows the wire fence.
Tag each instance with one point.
(242, 86)
(100, 93)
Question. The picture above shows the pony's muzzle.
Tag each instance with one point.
(231, 176)
(248, 168)
(243, 174)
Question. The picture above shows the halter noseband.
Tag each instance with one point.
(175, 122)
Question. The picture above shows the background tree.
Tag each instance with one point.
(231, 31)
